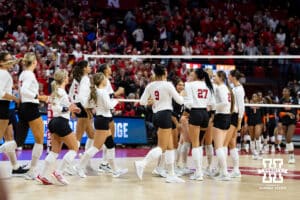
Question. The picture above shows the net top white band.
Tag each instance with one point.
(248, 57)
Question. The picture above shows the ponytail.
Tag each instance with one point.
(93, 94)
(54, 89)
(208, 82)
(96, 81)
(232, 100)
(222, 76)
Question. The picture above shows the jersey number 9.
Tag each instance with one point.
(156, 94)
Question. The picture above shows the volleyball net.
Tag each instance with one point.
(264, 75)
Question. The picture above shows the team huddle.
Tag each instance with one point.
(204, 112)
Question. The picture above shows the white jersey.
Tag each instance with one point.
(239, 104)
(198, 95)
(223, 99)
(29, 87)
(162, 92)
(58, 103)
(104, 104)
(213, 98)
(6, 83)
(73, 92)
(109, 88)
(80, 92)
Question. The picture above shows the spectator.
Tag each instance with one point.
(77, 52)
(20, 35)
(280, 36)
(138, 35)
(187, 49)
(188, 34)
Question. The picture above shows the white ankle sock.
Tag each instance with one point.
(152, 155)
(222, 160)
(170, 160)
(197, 155)
(235, 158)
(36, 154)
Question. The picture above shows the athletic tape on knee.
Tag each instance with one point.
(110, 154)
(170, 157)
(70, 156)
(279, 137)
(51, 157)
(290, 146)
(78, 144)
(37, 150)
(109, 142)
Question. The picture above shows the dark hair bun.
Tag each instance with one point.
(159, 70)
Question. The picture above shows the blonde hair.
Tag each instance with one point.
(97, 80)
(28, 59)
(59, 77)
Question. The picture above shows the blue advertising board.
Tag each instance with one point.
(127, 131)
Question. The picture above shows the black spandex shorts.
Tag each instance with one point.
(163, 119)
(60, 126)
(222, 121)
(29, 112)
(199, 117)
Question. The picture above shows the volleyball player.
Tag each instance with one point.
(106, 70)
(185, 142)
(160, 94)
(254, 123)
(6, 85)
(176, 115)
(236, 121)
(270, 123)
(199, 93)
(209, 150)
(29, 109)
(103, 105)
(224, 106)
(79, 93)
(287, 117)
(60, 131)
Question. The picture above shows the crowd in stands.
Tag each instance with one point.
(174, 27)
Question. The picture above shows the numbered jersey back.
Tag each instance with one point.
(199, 94)
(160, 93)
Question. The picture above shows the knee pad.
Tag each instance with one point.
(109, 142)
(110, 154)
(37, 150)
(70, 156)
(51, 158)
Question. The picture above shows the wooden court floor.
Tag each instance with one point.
(249, 187)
